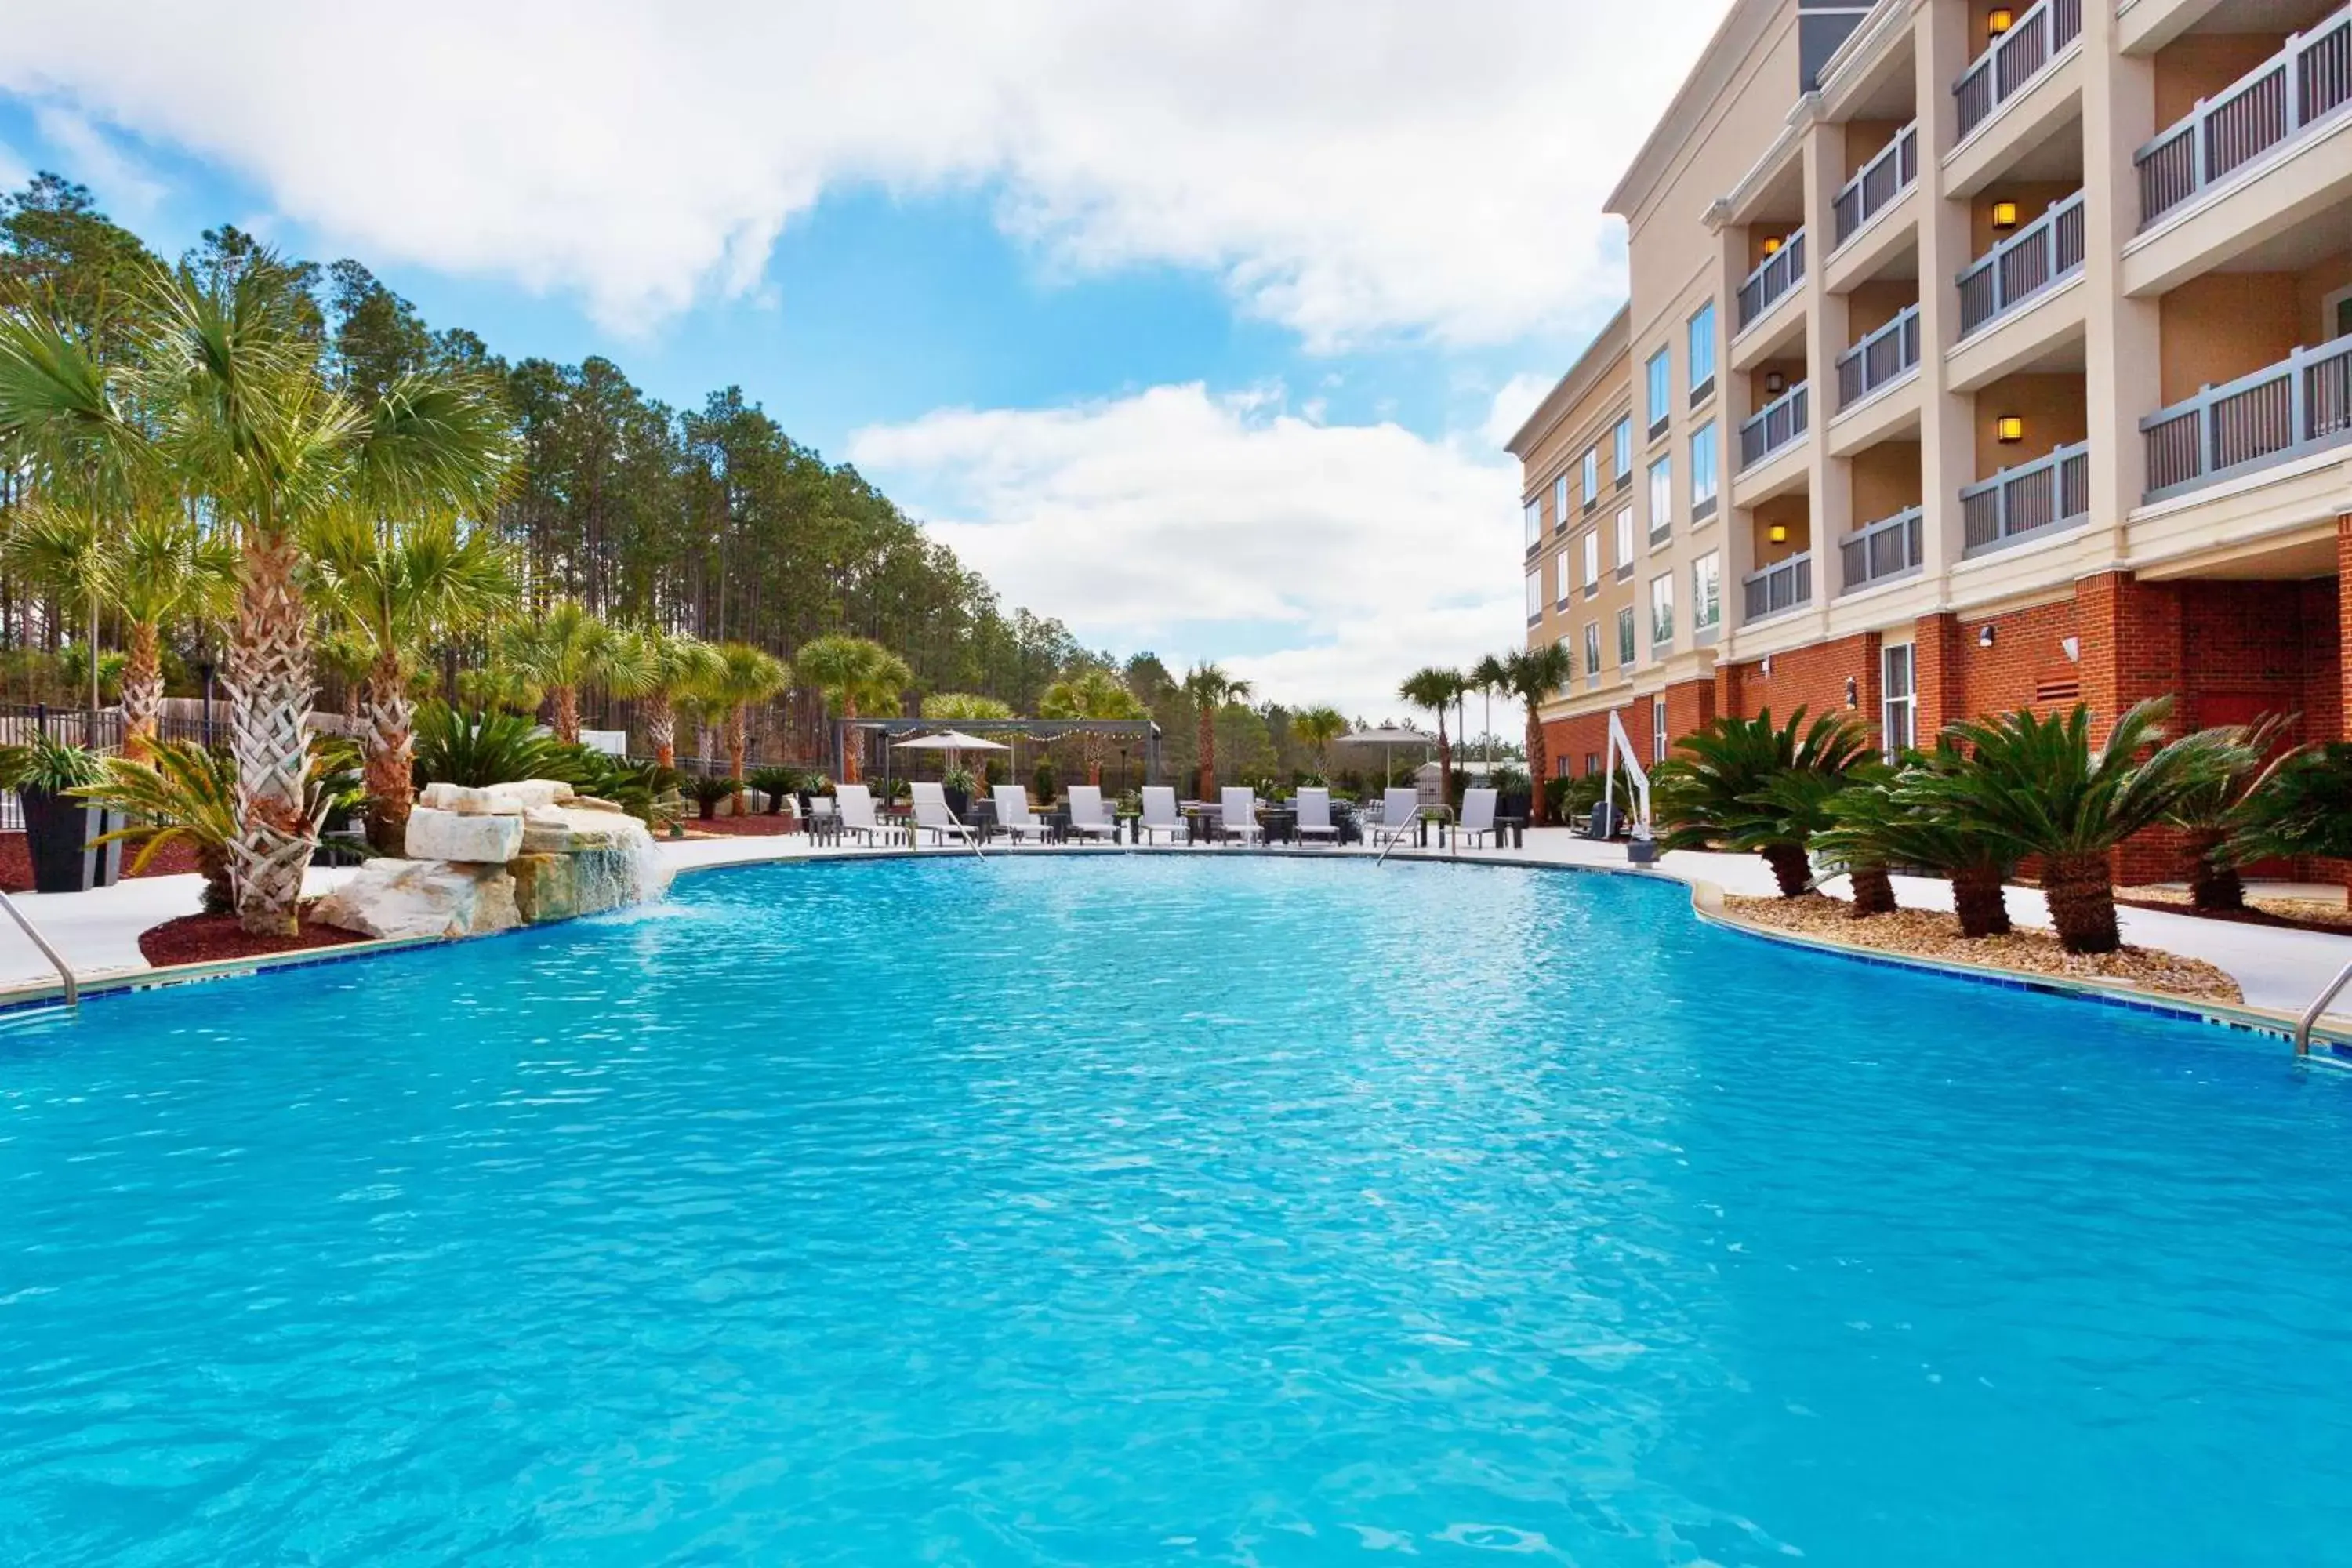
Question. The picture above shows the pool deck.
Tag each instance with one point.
(2278, 970)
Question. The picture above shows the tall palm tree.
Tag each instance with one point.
(1210, 687)
(743, 675)
(1318, 727)
(2208, 814)
(2038, 786)
(1712, 796)
(1533, 675)
(1435, 687)
(851, 672)
(1092, 693)
(950, 705)
(682, 664)
(565, 647)
(1489, 675)
(395, 587)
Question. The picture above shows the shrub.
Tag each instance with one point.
(959, 778)
(484, 748)
(1711, 796)
(1880, 823)
(49, 765)
(2305, 807)
(775, 783)
(1041, 783)
(706, 790)
(188, 794)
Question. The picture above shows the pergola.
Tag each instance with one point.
(1124, 733)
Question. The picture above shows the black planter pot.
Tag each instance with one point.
(1514, 806)
(959, 802)
(57, 833)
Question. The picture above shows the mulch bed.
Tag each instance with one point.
(758, 825)
(206, 939)
(1931, 934)
(16, 862)
(2286, 914)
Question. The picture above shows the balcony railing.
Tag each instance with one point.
(2278, 100)
(1882, 357)
(2275, 415)
(1774, 425)
(2035, 257)
(1887, 176)
(1775, 276)
(1880, 551)
(2050, 493)
(2015, 58)
(1783, 585)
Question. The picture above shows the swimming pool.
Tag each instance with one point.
(1162, 1210)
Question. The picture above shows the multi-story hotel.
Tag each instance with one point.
(1975, 358)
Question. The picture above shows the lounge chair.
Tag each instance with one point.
(1160, 815)
(1477, 817)
(933, 816)
(1014, 816)
(1239, 814)
(1089, 817)
(855, 804)
(1315, 815)
(1399, 809)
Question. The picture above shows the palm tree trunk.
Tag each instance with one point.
(661, 729)
(1979, 900)
(2081, 894)
(852, 763)
(1536, 766)
(143, 693)
(388, 738)
(1445, 763)
(267, 675)
(2213, 880)
(1208, 783)
(1874, 891)
(739, 725)
(1789, 868)
(566, 714)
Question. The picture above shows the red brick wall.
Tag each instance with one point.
(1690, 708)
(1938, 674)
(1587, 734)
(2026, 666)
(2343, 625)
(1812, 678)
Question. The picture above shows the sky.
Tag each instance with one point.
(1199, 327)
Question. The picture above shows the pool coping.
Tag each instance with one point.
(1706, 902)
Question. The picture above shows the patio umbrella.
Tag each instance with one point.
(1388, 737)
(951, 741)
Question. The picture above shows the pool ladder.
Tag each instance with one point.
(2310, 1018)
(57, 961)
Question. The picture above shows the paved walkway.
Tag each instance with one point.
(98, 931)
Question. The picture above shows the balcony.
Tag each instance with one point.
(2027, 262)
(2280, 101)
(1880, 360)
(2017, 504)
(1774, 425)
(2276, 415)
(1881, 552)
(1773, 278)
(1873, 190)
(1781, 587)
(2014, 59)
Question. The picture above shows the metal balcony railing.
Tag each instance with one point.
(2305, 83)
(1881, 357)
(1881, 551)
(1774, 425)
(1783, 585)
(2278, 413)
(2035, 257)
(2053, 492)
(1887, 175)
(2012, 60)
(1774, 276)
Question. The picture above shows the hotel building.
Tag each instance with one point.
(2015, 371)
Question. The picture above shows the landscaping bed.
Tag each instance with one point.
(757, 826)
(16, 862)
(2291, 914)
(1934, 934)
(207, 938)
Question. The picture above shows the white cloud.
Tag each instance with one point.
(119, 181)
(1193, 525)
(1512, 405)
(1347, 168)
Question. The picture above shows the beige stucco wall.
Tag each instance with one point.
(2052, 407)
(1886, 480)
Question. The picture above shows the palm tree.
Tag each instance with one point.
(681, 664)
(1490, 674)
(500, 685)
(1712, 795)
(2207, 815)
(565, 647)
(1435, 687)
(1533, 675)
(953, 705)
(744, 674)
(2037, 786)
(1318, 727)
(395, 587)
(1210, 689)
(2305, 807)
(1878, 824)
(852, 673)
(1804, 803)
(1093, 693)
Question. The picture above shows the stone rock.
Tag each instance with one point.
(464, 802)
(569, 828)
(437, 835)
(525, 794)
(390, 897)
(582, 861)
(590, 802)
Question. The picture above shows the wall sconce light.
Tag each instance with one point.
(2008, 429)
(1984, 636)
(1767, 667)
(1772, 246)
(1853, 693)
(2073, 649)
(2000, 20)
(1777, 533)
(2004, 217)
(1775, 383)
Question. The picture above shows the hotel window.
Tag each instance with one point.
(1561, 569)
(1592, 764)
(1701, 351)
(1704, 467)
(1592, 651)
(1624, 541)
(1592, 476)
(1624, 444)
(1591, 559)
(1534, 523)
(1706, 592)
(1662, 499)
(1899, 712)
(1559, 502)
(1625, 637)
(1662, 610)
(1661, 375)
(1535, 596)
(1658, 747)
(1559, 767)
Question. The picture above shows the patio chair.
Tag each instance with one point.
(1160, 815)
(1014, 816)
(856, 805)
(1399, 809)
(1315, 815)
(1477, 817)
(1239, 811)
(1089, 817)
(933, 815)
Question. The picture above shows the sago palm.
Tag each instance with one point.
(1534, 675)
(1092, 693)
(1436, 687)
(1210, 687)
(1805, 802)
(1877, 823)
(1708, 796)
(2208, 814)
(187, 794)
(2304, 807)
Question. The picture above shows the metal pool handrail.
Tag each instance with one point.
(65, 971)
(1399, 837)
(2319, 1004)
(970, 835)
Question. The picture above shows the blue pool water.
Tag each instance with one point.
(1163, 1210)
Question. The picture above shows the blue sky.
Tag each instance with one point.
(1193, 332)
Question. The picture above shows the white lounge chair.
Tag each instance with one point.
(855, 804)
(1239, 812)
(1315, 815)
(1089, 817)
(933, 816)
(1399, 809)
(1160, 815)
(1477, 817)
(1014, 816)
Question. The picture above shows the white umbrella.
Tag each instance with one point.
(948, 741)
(1387, 737)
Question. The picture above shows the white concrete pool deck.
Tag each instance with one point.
(98, 931)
